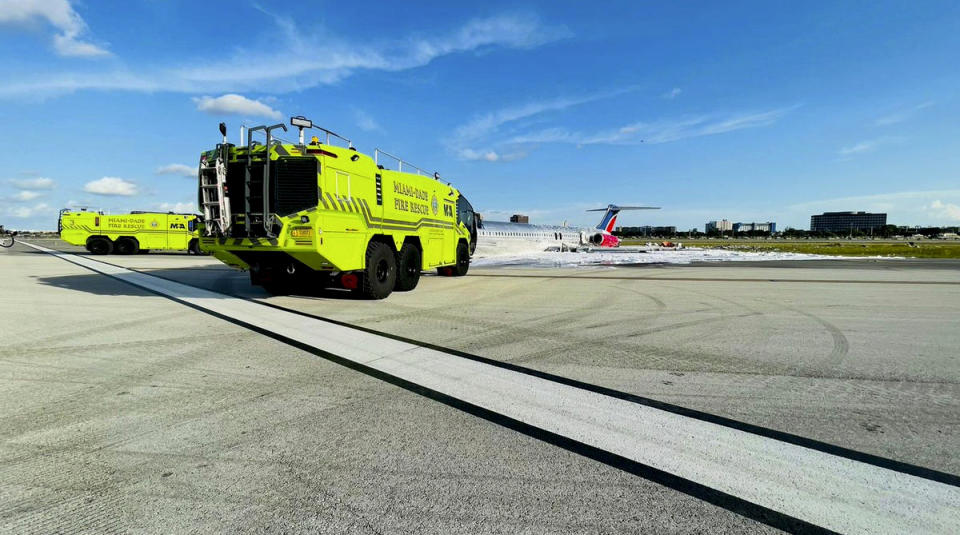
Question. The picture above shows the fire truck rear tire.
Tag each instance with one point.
(380, 275)
(274, 283)
(126, 246)
(99, 246)
(408, 268)
(277, 288)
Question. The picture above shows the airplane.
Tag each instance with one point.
(504, 238)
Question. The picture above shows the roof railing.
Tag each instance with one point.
(334, 134)
(401, 163)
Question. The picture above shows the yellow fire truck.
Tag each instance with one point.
(136, 232)
(319, 213)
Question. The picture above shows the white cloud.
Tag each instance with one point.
(902, 115)
(366, 122)
(867, 146)
(675, 129)
(302, 58)
(863, 146)
(59, 14)
(941, 210)
(673, 93)
(178, 207)
(470, 154)
(660, 131)
(233, 104)
(110, 185)
(26, 195)
(177, 169)
(487, 137)
(875, 201)
(28, 211)
(482, 128)
(490, 155)
(33, 183)
(488, 123)
(919, 207)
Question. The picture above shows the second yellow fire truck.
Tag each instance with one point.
(295, 214)
(136, 232)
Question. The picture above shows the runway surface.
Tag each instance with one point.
(712, 399)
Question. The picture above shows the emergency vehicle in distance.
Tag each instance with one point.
(300, 215)
(136, 232)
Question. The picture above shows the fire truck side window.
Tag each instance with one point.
(464, 212)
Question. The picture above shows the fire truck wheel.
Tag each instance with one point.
(194, 247)
(463, 260)
(380, 275)
(277, 288)
(408, 269)
(99, 246)
(126, 246)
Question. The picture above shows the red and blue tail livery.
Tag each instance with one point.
(605, 237)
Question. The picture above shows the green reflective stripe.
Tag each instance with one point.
(333, 202)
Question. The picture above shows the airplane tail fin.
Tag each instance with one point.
(610, 214)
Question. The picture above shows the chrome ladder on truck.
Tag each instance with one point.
(214, 200)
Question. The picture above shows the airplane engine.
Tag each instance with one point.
(595, 239)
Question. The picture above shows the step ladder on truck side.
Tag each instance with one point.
(217, 216)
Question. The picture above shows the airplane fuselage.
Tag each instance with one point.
(503, 238)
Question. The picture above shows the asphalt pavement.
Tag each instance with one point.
(126, 410)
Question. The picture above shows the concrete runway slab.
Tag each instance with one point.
(863, 365)
(124, 411)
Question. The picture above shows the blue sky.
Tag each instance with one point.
(739, 110)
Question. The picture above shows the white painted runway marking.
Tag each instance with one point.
(832, 492)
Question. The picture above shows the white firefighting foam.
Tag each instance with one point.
(622, 257)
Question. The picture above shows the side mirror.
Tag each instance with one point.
(223, 129)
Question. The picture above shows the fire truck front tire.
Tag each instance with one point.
(99, 246)
(380, 275)
(126, 246)
(194, 247)
(463, 260)
(408, 268)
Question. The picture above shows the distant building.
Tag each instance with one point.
(647, 230)
(719, 226)
(519, 218)
(769, 226)
(846, 221)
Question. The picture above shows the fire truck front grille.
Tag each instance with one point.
(294, 185)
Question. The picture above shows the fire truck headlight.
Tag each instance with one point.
(304, 219)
